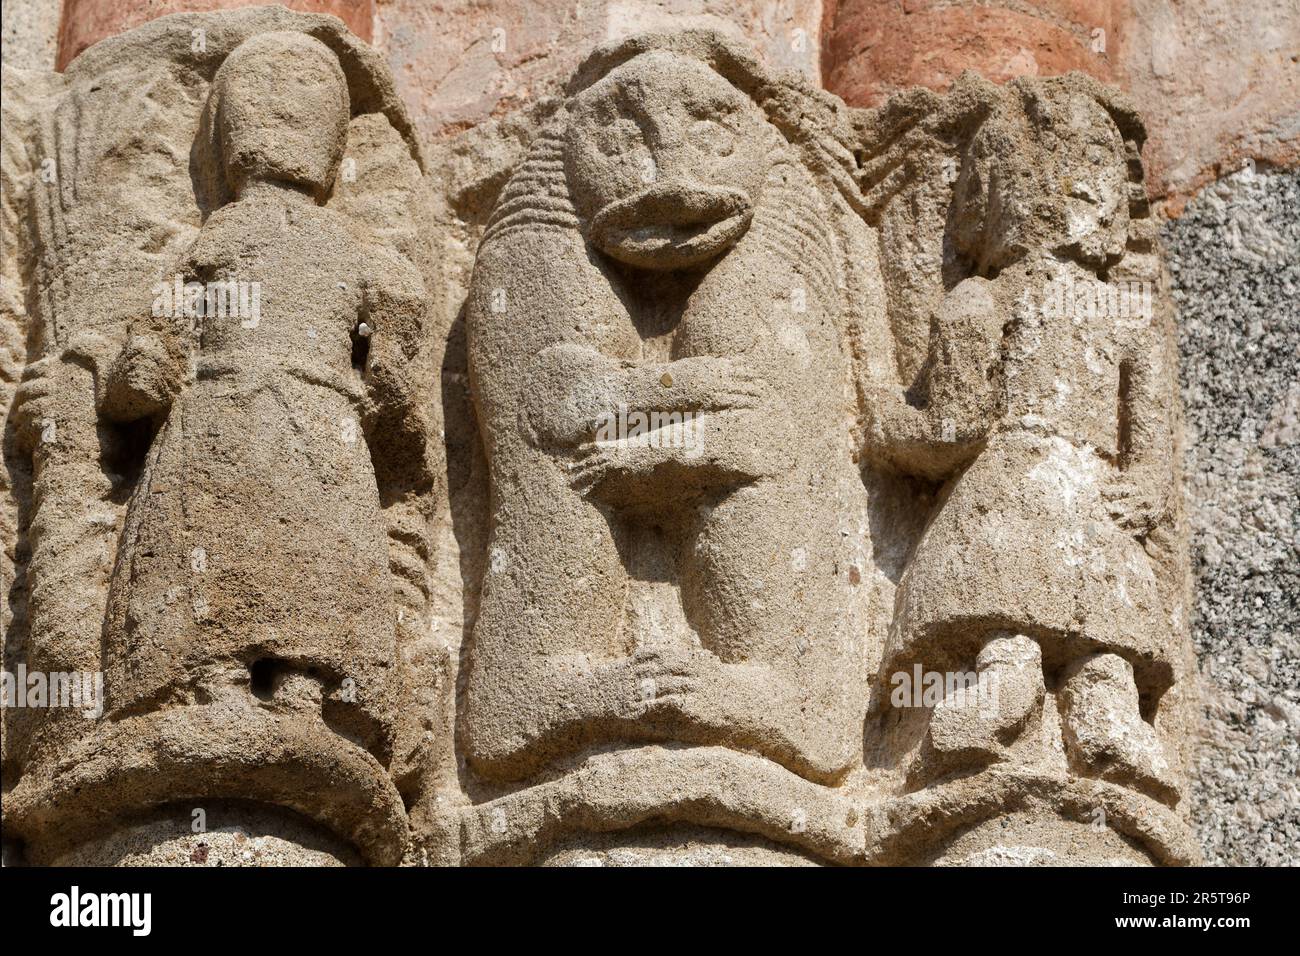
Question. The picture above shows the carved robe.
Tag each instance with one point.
(256, 530)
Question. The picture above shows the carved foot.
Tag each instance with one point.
(1104, 730)
(980, 722)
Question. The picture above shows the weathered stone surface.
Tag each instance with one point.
(710, 598)
(187, 447)
(29, 34)
(86, 22)
(457, 64)
(1217, 81)
(258, 837)
(799, 484)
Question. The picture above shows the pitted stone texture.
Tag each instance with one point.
(1219, 84)
(690, 586)
(206, 441)
(982, 720)
(687, 847)
(604, 636)
(29, 34)
(1018, 840)
(1235, 261)
(1043, 191)
(224, 835)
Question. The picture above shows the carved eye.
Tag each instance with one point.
(712, 138)
(619, 137)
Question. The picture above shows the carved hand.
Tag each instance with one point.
(596, 462)
(1136, 503)
(41, 399)
(698, 383)
(652, 680)
(55, 388)
(143, 380)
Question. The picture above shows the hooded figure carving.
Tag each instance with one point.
(261, 464)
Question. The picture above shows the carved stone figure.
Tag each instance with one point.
(1041, 403)
(584, 490)
(663, 251)
(274, 381)
(261, 462)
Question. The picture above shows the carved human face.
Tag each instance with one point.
(1060, 186)
(1092, 176)
(282, 111)
(665, 159)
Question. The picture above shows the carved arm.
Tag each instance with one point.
(960, 381)
(577, 388)
(1139, 499)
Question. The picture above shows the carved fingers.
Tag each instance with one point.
(709, 383)
(36, 403)
(596, 462)
(660, 680)
(1134, 505)
(664, 675)
(55, 395)
(593, 464)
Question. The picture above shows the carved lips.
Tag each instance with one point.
(672, 228)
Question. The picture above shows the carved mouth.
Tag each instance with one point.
(672, 228)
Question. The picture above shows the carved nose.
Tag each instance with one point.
(676, 162)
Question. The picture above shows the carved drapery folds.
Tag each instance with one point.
(693, 468)
(224, 421)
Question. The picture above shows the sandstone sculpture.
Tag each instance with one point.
(646, 260)
(1043, 408)
(754, 408)
(233, 612)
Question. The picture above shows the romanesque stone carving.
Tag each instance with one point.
(254, 418)
(663, 252)
(1037, 409)
(809, 491)
(1043, 404)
